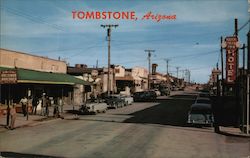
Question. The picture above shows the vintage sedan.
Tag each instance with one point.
(203, 100)
(144, 96)
(93, 107)
(114, 101)
(200, 115)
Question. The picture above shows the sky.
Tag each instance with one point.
(192, 41)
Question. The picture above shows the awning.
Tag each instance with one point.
(31, 76)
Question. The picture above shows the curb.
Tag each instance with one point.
(233, 135)
(31, 124)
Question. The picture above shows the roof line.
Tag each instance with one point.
(31, 54)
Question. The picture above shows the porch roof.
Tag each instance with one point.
(39, 77)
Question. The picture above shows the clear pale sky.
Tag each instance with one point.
(192, 41)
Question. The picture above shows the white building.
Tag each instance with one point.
(140, 76)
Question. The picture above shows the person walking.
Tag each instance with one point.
(24, 103)
(34, 105)
(47, 104)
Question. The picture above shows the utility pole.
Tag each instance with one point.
(177, 70)
(237, 51)
(189, 76)
(217, 80)
(248, 52)
(97, 63)
(149, 65)
(222, 65)
(109, 43)
(186, 75)
(167, 60)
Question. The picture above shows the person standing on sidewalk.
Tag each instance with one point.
(60, 103)
(12, 117)
(24, 102)
(47, 104)
(34, 105)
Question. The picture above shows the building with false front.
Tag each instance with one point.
(124, 80)
(140, 76)
(23, 74)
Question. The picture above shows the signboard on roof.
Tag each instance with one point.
(8, 77)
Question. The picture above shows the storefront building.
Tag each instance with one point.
(32, 76)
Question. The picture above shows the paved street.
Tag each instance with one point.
(152, 129)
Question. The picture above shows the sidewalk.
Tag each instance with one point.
(235, 132)
(33, 120)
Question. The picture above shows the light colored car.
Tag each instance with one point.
(94, 107)
(128, 99)
(158, 93)
(200, 115)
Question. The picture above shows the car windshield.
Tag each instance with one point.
(203, 101)
(200, 111)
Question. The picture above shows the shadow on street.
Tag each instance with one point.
(172, 111)
(15, 154)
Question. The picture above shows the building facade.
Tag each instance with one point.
(35, 77)
(15, 59)
(140, 76)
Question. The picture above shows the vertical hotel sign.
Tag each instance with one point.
(231, 58)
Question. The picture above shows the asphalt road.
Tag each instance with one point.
(143, 130)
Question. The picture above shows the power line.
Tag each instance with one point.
(174, 57)
(244, 25)
(35, 19)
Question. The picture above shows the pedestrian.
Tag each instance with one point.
(39, 106)
(34, 105)
(56, 111)
(47, 104)
(24, 102)
(60, 103)
(43, 112)
(12, 117)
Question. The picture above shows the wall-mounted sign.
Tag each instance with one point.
(231, 45)
(8, 77)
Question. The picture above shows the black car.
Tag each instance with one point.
(144, 96)
(114, 101)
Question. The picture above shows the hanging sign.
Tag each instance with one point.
(231, 45)
(8, 77)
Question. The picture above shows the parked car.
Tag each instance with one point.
(145, 96)
(203, 100)
(200, 115)
(115, 101)
(165, 91)
(94, 107)
(204, 94)
(128, 99)
(157, 92)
